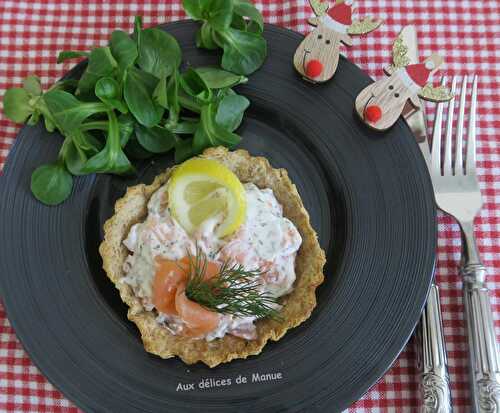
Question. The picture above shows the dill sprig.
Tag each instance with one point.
(233, 290)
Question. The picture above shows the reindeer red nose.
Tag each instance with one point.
(314, 68)
(373, 113)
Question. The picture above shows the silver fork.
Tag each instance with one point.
(457, 193)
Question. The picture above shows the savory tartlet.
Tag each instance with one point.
(145, 248)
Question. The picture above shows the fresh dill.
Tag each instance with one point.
(233, 290)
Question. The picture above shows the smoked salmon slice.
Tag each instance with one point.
(169, 275)
(196, 317)
(169, 296)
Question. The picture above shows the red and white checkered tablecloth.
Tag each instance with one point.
(466, 32)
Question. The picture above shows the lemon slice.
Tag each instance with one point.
(200, 189)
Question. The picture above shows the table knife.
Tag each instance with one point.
(434, 379)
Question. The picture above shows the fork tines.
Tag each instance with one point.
(459, 167)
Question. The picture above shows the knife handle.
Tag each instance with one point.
(434, 380)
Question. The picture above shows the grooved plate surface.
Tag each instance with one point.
(370, 201)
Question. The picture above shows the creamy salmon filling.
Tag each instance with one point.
(158, 252)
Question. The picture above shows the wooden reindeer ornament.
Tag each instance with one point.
(317, 56)
(380, 104)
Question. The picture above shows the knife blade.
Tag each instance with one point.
(415, 119)
(432, 360)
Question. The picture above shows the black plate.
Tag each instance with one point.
(370, 200)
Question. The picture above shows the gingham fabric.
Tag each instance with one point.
(467, 34)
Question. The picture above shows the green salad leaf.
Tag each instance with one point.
(32, 85)
(74, 158)
(138, 93)
(16, 104)
(230, 111)
(124, 49)
(218, 13)
(244, 52)
(109, 92)
(155, 139)
(71, 54)
(186, 127)
(194, 8)
(159, 53)
(244, 8)
(210, 133)
(216, 78)
(194, 85)
(51, 183)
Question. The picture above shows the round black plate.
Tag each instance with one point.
(370, 201)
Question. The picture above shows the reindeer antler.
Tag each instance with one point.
(435, 93)
(399, 54)
(319, 7)
(364, 26)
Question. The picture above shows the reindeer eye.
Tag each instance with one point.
(396, 95)
(391, 87)
(328, 42)
(320, 36)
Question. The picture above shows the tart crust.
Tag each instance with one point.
(297, 306)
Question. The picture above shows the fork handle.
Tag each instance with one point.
(484, 357)
(434, 380)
